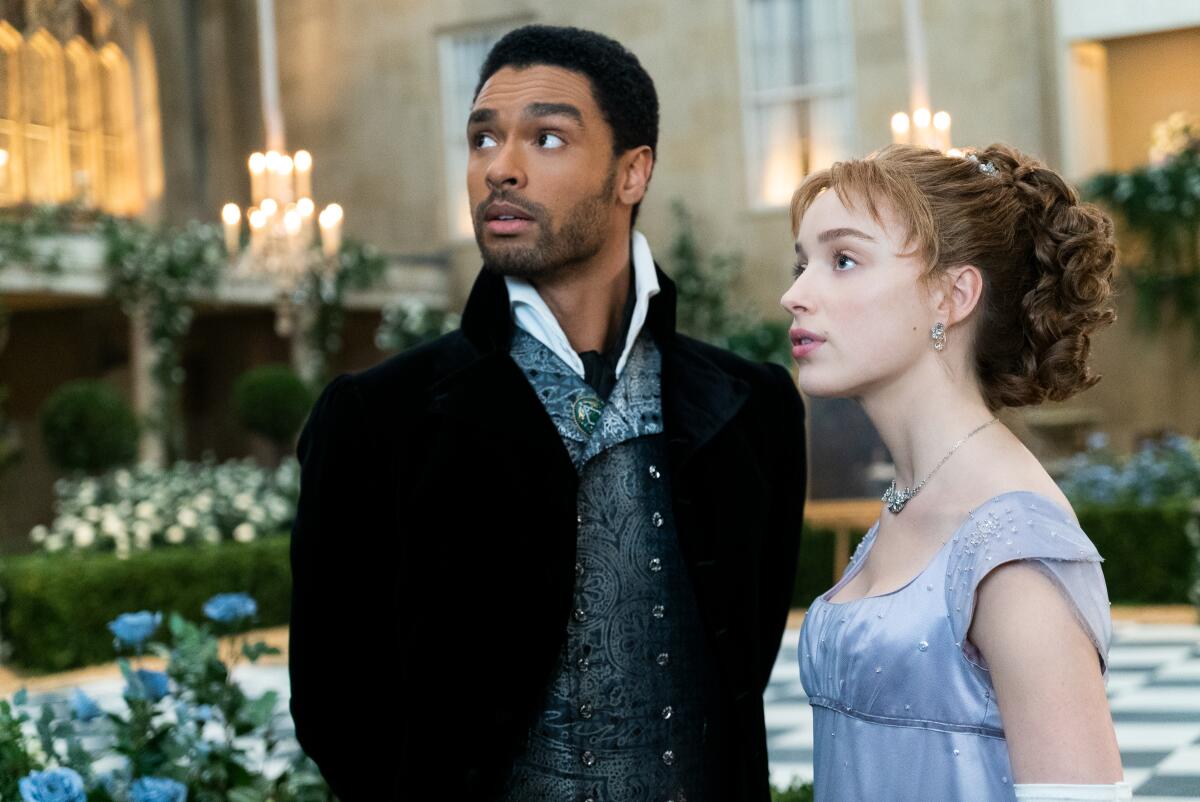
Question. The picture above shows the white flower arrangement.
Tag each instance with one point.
(137, 509)
(1170, 137)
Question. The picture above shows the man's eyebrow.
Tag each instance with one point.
(839, 233)
(535, 110)
(481, 116)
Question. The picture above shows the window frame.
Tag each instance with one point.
(755, 101)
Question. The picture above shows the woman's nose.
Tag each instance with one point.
(796, 299)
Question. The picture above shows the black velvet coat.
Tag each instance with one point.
(433, 553)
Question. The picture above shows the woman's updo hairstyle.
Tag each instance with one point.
(1047, 260)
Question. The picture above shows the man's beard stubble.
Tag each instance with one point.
(581, 236)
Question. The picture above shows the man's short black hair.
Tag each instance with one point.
(620, 85)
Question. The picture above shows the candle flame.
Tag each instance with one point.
(231, 214)
(303, 160)
(330, 216)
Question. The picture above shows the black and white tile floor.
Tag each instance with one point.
(1154, 690)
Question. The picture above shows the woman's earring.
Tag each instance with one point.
(938, 335)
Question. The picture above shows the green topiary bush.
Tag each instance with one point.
(87, 426)
(272, 401)
(55, 608)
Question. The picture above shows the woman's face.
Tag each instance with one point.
(861, 315)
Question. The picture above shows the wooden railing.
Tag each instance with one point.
(843, 516)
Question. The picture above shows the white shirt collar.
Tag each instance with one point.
(532, 314)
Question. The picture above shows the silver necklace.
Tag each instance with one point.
(896, 499)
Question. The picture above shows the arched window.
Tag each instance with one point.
(67, 123)
(119, 154)
(12, 181)
(45, 145)
(83, 123)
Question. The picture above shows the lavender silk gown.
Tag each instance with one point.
(903, 704)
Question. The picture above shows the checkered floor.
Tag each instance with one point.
(1154, 689)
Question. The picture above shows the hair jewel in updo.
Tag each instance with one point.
(984, 167)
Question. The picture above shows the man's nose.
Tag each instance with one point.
(506, 169)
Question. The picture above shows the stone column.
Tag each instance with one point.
(147, 396)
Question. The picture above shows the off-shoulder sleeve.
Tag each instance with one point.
(1027, 526)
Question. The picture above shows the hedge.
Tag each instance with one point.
(56, 607)
(1147, 556)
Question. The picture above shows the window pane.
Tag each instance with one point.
(778, 39)
(784, 135)
(799, 50)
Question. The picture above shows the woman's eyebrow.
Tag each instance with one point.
(839, 233)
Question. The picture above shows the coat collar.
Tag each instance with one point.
(699, 397)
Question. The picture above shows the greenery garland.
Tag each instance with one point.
(158, 272)
(359, 267)
(1160, 204)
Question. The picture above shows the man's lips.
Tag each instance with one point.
(804, 342)
(506, 219)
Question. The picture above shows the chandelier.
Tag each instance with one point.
(283, 237)
(922, 128)
(284, 228)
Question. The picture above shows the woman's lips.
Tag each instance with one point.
(804, 343)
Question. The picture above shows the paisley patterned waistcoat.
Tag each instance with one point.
(629, 706)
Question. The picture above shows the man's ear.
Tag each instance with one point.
(633, 174)
(960, 289)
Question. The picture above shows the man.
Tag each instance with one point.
(550, 555)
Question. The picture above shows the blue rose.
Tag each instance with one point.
(157, 789)
(83, 707)
(133, 629)
(229, 608)
(149, 685)
(54, 785)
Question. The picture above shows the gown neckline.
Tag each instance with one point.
(869, 538)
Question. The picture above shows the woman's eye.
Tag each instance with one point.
(843, 262)
(484, 141)
(551, 141)
(798, 269)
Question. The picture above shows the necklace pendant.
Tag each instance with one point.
(896, 499)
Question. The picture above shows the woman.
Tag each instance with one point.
(962, 656)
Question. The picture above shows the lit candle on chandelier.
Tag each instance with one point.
(286, 169)
(330, 221)
(921, 133)
(900, 129)
(941, 127)
(258, 178)
(257, 219)
(307, 209)
(231, 216)
(303, 163)
(272, 164)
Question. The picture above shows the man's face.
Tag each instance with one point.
(541, 175)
